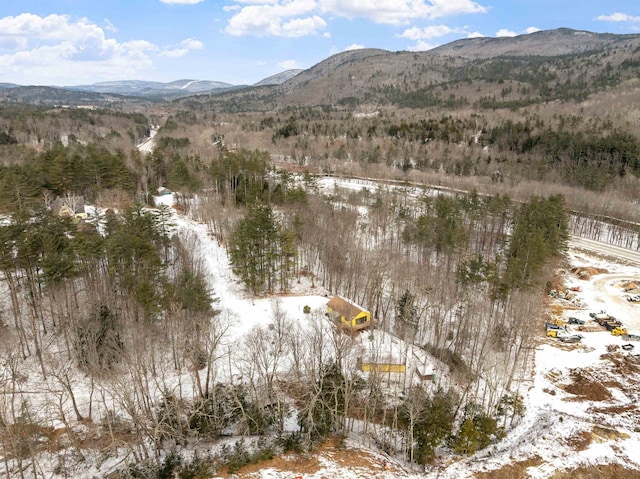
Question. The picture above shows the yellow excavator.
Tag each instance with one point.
(619, 331)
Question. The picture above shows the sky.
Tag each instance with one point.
(76, 42)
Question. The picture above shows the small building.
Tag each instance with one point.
(383, 367)
(69, 205)
(348, 315)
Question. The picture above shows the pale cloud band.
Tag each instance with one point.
(295, 18)
(181, 2)
(424, 36)
(619, 17)
(183, 49)
(63, 50)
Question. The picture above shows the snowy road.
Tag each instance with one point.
(147, 145)
(633, 257)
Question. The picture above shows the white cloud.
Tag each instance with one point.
(183, 49)
(285, 18)
(292, 18)
(174, 53)
(399, 11)
(432, 31)
(618, 17)
(57, 49)
(503, 32)
(290, 65)
(422, 46)
(299, 27)
(326, 35)
(192, 44)
(475, 35)
(108, 26)
(180, 2)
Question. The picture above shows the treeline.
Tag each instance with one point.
(591, 160)
(567, 150)
(42, 127)
(83, 171)
(131, 308)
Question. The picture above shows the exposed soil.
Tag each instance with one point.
(602, 434)
(614, 410)
(363, 462)
(586, 273)
(517, 470)
(580, 441)
(586, 388)
(623, 365)
(605, 471)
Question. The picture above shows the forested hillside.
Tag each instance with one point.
(129, 337)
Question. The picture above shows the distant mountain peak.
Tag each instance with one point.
(279, 78)
(560, 41)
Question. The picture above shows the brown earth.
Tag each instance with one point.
(605, 471)
(333, 450)
(517, 470)
(586, 388)
(580, 441)
(586, 273)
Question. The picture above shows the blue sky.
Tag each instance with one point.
(71, 42)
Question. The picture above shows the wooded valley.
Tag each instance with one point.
(467, 205)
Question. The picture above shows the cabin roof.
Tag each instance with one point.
(345, 307)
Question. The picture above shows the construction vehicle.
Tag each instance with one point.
(631, 337)
(571, 338)
(607, 321)
(610, 325)
(619, 331)
(553, 333)
(573, 320)
(601, 316)
(553, 325)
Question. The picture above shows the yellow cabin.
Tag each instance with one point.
(383, 367)
(347, 314)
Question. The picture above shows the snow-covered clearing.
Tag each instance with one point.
(566, 424)
(580, 399)
(581, 402)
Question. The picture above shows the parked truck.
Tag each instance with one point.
(602, 315)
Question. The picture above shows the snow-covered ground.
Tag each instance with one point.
(580, 399)
(564, 426)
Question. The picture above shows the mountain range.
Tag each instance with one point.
(131, 88)
(541, 66)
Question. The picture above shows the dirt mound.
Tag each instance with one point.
(586, 388)
(586, 272)
(622, 365)
(517, 469)
(603, 471)
(580, 441)
(332, 455)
